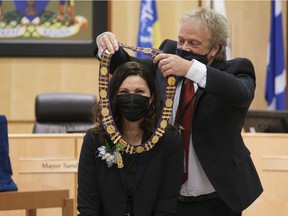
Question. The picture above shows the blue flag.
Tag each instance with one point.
(149, 28)
(275, 93)
(6, 182)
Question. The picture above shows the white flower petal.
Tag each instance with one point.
(102, 148)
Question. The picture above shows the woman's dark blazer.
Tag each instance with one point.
(102, 190)
(218, 117)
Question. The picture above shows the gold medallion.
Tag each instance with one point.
(103, 93)
(147, 50)
(119, 160)
(139, 149)
(105, 111)
(110, 129)
(171, 81)
(163, 124)
(103, 71)
(155, 139)
(169, 102)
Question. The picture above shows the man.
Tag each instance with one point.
(222, 179)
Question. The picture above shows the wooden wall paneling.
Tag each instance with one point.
(77, 73)
(30, 77)
(23, 78)
(50, 160)
(250, 40)
(5, 86)
(270, 155)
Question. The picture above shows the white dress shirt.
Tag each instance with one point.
(197, 183)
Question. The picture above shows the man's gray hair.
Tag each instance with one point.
(214, 21)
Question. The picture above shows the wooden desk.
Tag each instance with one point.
(46, 159)
(52, 159)
(32, 197)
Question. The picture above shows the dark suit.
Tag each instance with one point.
(102, 191)
(219, 112)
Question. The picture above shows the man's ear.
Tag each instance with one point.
(215, 49)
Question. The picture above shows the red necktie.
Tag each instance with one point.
(184, 119)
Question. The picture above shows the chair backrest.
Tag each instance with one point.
(63, 112)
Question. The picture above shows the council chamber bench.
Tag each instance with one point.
(48, 161)
(52, 160)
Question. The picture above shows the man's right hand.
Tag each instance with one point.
(107, 40)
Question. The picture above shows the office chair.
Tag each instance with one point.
(63, 112)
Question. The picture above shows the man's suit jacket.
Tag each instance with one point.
(218, 117)
(102, 190)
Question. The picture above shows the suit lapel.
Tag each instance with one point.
(198, 94)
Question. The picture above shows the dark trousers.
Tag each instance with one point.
(213, 207)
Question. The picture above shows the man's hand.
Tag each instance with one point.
(107, 40)
(171, 64)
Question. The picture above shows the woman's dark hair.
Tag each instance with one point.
(131, 68)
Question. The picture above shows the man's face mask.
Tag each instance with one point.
(190, 55)
(132, 106)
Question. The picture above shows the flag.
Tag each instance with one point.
(6, 182)
(149, 28)
(219, 6)
(275, 92)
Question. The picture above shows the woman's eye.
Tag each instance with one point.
(123, 92)
(139, 91)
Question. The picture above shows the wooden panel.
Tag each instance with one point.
(269, 152)
(22, 79)
(31, 197)
(33, 157)
(275, 163)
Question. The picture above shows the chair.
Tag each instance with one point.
(63, 112)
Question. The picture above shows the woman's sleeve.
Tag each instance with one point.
(172, 175)
(88, 196)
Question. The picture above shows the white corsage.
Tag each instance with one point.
(108, 156)
(112, 156)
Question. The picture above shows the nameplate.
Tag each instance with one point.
(47, 165)
(275, 163)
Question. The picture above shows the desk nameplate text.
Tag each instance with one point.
(47, 165)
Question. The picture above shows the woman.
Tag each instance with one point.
(149, 182)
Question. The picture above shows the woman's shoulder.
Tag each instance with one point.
(91, 138)
(170, 142)
(172, 131)
(172, 135)
(89, 135)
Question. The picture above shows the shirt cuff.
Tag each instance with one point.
(197, 73)
(99, 52)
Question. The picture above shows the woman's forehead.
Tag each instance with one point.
(133, 82)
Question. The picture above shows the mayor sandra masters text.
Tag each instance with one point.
(61, 165)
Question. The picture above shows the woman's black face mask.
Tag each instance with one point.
(132, 106)
(190, 55)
